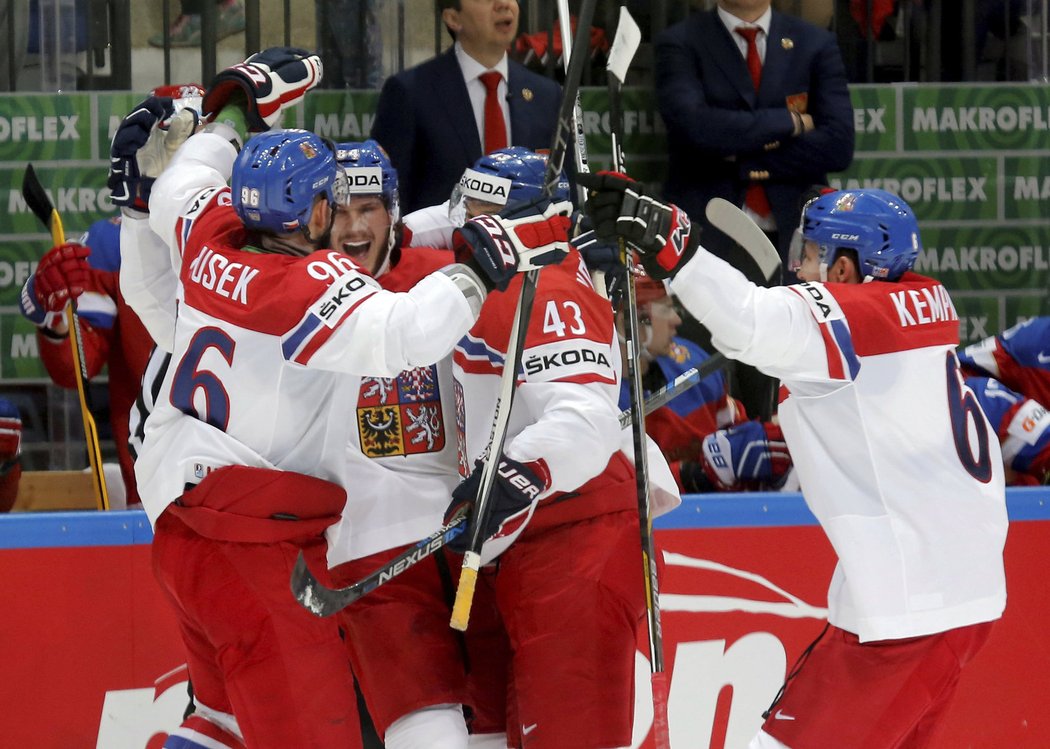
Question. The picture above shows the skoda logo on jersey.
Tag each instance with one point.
(536, 364)
(365, 179)
(487, 187)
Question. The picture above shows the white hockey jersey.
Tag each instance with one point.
(269, 349)
(895, 458)
(565, 406)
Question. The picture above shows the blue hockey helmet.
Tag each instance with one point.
(278, 174)
(369, 172)
(879, 226)
(505, 176)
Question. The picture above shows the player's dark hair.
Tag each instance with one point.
(441, 6)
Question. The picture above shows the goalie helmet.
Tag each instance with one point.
(278, 174)
(508, 175)
(879, 226)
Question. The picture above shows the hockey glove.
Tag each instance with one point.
(524, 237)
(600, 256)
(662, 233)
(269, 81)
(61, 276)
(514, 492)
(144, 143)
(746, 456)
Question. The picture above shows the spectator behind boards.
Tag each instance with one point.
(438, 118)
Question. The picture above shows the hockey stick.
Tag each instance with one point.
(625, 44)
(736, 224)
(512, 361)
(40, 204)
(323, 601)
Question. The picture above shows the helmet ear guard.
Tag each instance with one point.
(877, 225)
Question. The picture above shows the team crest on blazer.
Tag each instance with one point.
(401, 415)
(787, 43)
(526, 94)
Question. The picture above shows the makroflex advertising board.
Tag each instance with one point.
(973, 161)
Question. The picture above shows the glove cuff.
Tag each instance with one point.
(29, 303)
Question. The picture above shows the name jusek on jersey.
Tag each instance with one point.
(217, 274)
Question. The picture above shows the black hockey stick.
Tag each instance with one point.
(555, 161)
(40, 204)
(323, 601)
(625, 44)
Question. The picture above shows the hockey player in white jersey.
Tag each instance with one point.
(244, 460)
(895, 458)
(567, 585)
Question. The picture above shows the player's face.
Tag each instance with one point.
(663, 320)
(809, 269)
(361, 230)
(484, 27)
(477, 207)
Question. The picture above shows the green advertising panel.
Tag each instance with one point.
(952, 188)
(988, 258)
(1004, 117)
(19, 357)
(1026, 187)
(18, 259)
(37, 127)
(339, 115)
(78, 193)
(874, 118)
(979, 317)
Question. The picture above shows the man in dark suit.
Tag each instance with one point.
(757, 110)
(757, 132)
(431, 119)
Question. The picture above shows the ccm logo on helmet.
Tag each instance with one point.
(847, 237)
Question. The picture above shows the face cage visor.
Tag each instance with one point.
(477, 186)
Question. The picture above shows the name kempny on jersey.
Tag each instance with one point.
(923, 306)
(216, 273)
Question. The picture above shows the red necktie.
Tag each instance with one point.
(495, 125)
(756, 196)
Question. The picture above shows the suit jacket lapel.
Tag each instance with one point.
(716, 37)
(520, 105)
(776, 64)
(450, 97)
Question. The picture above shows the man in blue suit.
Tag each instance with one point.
(431, 118)
(751, 130)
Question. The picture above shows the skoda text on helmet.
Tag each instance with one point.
(369, 173)
(508, 175)
(278, 174)
(879, 226)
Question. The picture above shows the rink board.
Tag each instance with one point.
(91, 656)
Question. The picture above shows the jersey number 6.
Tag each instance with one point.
(964, 409)
(188, 379)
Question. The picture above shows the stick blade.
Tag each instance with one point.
(729, 219)
(625, 44)
(311, 595)
(35, 196)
